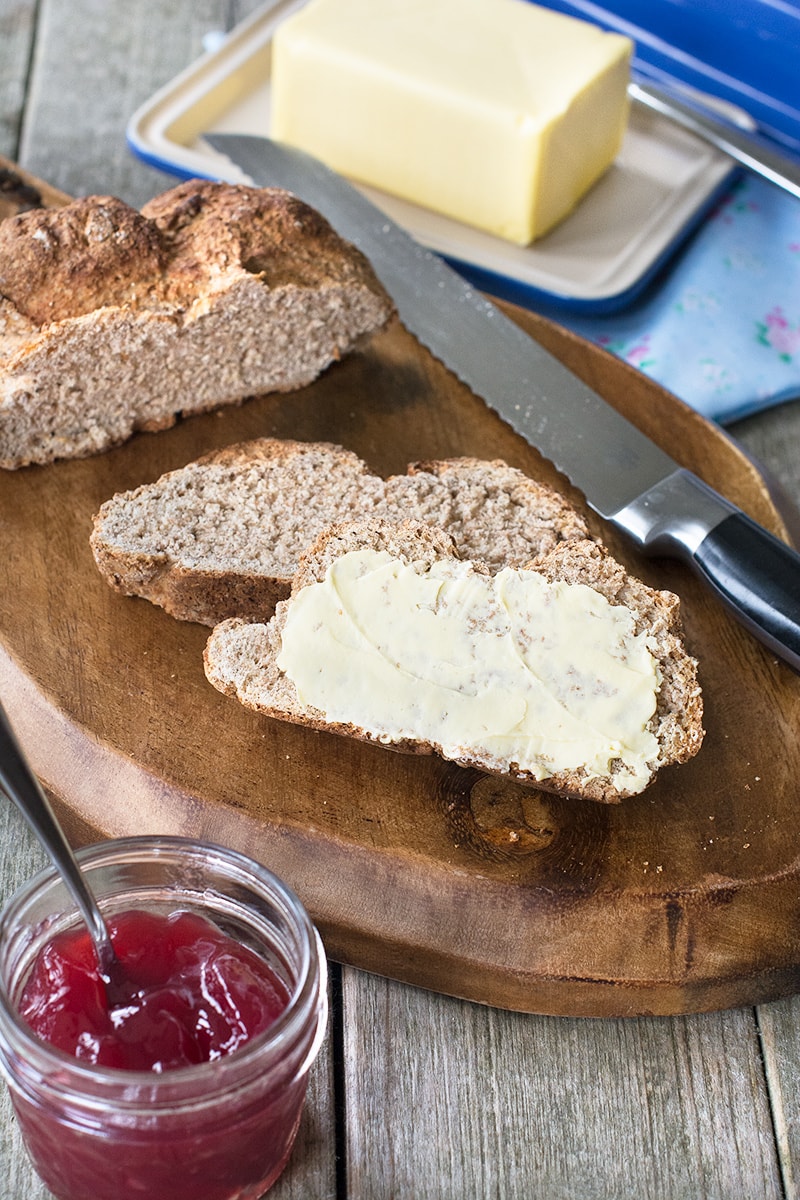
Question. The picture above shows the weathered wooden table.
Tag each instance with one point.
(418, 1095)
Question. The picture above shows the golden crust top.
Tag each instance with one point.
(99, 252)
(63, 262)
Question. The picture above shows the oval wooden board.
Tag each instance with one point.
(684, 899)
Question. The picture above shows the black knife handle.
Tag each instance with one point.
(758, 577)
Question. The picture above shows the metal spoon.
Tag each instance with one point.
(21, 785)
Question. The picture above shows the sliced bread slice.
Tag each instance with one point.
(223, 536)
(494, 512)
(568, 673)
(113, 321)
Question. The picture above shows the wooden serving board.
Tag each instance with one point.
(683, 899)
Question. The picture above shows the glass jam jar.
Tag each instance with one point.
(220, 1130)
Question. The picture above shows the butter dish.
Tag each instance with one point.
(597, 260)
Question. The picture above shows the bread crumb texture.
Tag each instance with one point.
(223, 535)
(113, 320)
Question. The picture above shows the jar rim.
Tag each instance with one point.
(309, 989)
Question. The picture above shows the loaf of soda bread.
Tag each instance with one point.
(222, 536)
(395, 680)
(113, 320)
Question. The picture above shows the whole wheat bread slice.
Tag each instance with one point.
(113, 321)
(241, 658)
(223, 536)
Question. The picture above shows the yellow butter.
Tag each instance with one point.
(498, 113)
(503, 669)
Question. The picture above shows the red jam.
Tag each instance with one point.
(183, 1076)
(184, 993)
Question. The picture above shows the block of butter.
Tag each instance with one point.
(498, 113)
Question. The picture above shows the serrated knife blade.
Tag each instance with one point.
(625, 477)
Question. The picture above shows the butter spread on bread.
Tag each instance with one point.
(547, 675)
(634, 687)
(113, 321)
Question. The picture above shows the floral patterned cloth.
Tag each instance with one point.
(720, 327)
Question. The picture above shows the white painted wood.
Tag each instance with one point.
(95, 63)
(16, 37)
(779, 1025)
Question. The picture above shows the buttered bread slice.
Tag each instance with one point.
(567, 673)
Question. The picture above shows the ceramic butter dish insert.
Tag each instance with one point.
(497, 113)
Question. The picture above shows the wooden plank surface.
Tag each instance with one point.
(16, 39)
(670, 1147)
(493, 1104)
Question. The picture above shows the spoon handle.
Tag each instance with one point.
(20, 785)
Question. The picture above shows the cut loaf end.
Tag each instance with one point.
(114, 321)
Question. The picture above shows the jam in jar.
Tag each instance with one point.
(184, 1076)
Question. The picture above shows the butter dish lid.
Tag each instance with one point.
(744, 52)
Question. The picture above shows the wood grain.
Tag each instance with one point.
(507, 1105)
(778, 1025)
(17, 23)
(683, 899)
(671, 1144)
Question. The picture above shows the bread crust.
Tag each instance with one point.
(114, 321)
(57, 263)
(240, 658)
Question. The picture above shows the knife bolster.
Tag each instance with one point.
(674, 516)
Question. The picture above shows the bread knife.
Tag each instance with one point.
(626, 478)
